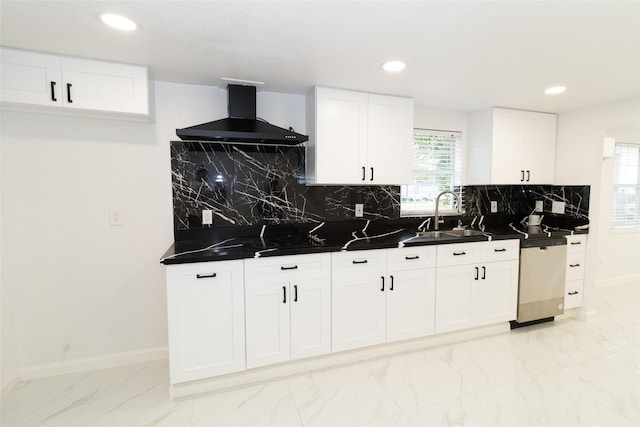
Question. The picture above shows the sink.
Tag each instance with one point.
(464, 233)
(433, 234)
(448, 234)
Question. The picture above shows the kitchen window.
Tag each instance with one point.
(626, 186)
(437, 166)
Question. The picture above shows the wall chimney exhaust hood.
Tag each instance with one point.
(242, 125)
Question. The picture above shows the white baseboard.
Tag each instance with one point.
(92, 363)
(617, 281)
(332, 360)
(9, 385)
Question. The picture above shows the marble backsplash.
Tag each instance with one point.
(519, 200)
(261, 184)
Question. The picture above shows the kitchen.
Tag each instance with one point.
(62, 163)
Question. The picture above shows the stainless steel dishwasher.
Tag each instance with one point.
(542, 280)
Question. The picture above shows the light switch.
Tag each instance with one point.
(539, 206)
(115, 216)
(207, 217)
(557, 207)
(359, 210)
(494, 206)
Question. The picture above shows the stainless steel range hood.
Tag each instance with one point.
(242, 125)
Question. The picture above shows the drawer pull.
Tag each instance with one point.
(459, 253)
(53, 92)
(205, 276)
(293, 267)
(573, 293)
(576, 243)
(500, 250)
(363, 261)
(574, 265)
(412, 257)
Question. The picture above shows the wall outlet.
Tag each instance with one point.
(115, 216)
(557, 207)
(539, 206)
(207, 217)
(494, 206)
(359, 210)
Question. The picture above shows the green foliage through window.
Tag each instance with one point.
(437, 166)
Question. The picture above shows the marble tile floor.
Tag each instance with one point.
(581, 370)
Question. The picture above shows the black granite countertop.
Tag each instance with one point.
(229, 243)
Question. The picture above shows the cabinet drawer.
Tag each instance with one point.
(289, 267)
(576, 243)
(412, 258)
(575, 266)
(359, 261)
(201, 270)
(573, 295)
(500, 250)
(458, 254)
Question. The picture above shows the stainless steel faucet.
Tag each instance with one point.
(437, 222)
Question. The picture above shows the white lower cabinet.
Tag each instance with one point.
(575, 267)
(227, 316)
(288, 307)
(382, 296)
(205, 303)
(476, 284)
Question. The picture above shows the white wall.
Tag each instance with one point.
(610, 257)
(8, 354)
(619, 248)
(81, 288)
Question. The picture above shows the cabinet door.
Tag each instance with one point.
(454, 298)
(104, 86)
(390, 143)
(540, 146)
(310, 317)
(496, 292)
(410, 304)
(358, 299)
(30, 78)
(267, 307)
(205, 304)
(341, 136)
(508, 150)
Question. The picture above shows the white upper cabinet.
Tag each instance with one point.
(37, 79)
(511, 147)
(358, 138)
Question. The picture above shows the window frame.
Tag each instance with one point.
(621, 224)
(457, 187)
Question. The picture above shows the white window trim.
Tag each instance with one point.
(620, 227)
(405, 213)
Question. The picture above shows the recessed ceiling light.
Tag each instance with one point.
(555, 90)
(394, 66)
(118, 22)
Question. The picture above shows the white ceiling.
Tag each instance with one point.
(461, 55)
